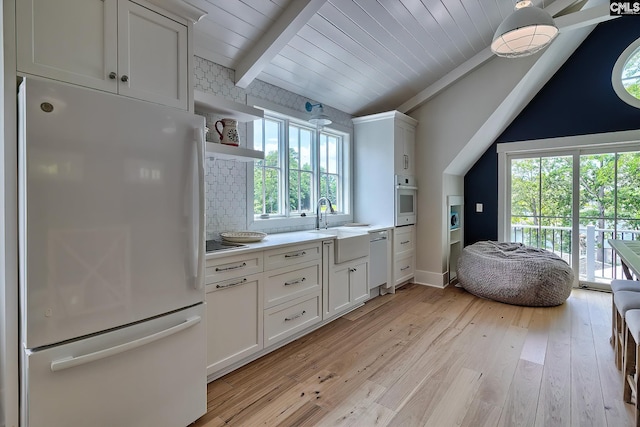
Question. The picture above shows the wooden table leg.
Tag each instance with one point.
(627, 273)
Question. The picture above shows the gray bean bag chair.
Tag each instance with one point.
(514, 274)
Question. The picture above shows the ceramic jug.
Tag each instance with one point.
(229, 132)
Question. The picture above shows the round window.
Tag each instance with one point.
(626, 75)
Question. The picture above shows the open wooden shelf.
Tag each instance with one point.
(229, 152)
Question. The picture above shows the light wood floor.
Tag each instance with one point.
(432, 357)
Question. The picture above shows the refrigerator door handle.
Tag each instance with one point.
(199, 228)
(71, 362)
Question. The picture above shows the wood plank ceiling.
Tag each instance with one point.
(359, 56)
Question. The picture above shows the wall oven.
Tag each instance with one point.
(406, 200)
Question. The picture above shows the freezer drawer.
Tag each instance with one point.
(159, 382)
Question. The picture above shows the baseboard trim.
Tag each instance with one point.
(428, 278)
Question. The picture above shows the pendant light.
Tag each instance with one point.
(526, 31)
(319, 118)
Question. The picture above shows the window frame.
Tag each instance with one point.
(281, 169)
(288, 220)
(616, 74)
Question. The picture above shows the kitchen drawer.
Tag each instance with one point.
(114, 381)
(291, 255)
(285, 284)
(233, 266)
(404, 269)
(404, 239)
(284, 320)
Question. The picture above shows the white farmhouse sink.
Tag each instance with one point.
(348, 245)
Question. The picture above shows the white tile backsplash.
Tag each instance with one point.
(226, 180)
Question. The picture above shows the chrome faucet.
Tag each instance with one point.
(318, 213)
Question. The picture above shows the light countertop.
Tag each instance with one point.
(292, 238)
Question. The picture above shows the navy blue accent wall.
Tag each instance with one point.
(578, 100)
(481, 186)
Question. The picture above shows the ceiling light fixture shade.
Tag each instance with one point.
(526, 31)
(319, 118)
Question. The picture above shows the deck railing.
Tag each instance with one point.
(598, 261)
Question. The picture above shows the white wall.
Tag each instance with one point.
(458, 125)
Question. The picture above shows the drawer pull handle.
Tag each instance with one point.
(405, 242)
(233, 267)
(353, 269)
(294, 317)
(228, 285)
(295, 282)
(297, 254)
(405, 268)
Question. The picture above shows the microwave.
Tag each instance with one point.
(406, 203)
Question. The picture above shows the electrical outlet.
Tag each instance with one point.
(479, 207)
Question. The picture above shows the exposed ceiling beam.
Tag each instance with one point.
(583, 18)
(435, 88)
(572, 21)
(294, 17)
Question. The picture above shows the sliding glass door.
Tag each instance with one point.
(542, 203)
(609, 209)
(571, 204)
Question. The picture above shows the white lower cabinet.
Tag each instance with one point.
(284, 320)
(359, 281)
(346, 284)
(286, 283)
(257, 300)
(234, 320)
(293, 283)
(338, 298)
(233, 266)
(404, 243)
(403, 269)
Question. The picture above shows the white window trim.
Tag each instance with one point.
(299, 222)
(616, 75)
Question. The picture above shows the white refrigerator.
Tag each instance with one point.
(111, 244)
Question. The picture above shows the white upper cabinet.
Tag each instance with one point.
(73, 41)
(112, 45)
(384, 145)
(152, 56)
(404, 147)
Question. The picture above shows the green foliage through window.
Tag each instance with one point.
(310, 169)
(631, 74)
(542, 198)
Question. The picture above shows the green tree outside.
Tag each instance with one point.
(300, 186)
(541, 195)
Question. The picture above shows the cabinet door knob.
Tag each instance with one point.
(124, 78)
(112, 75)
